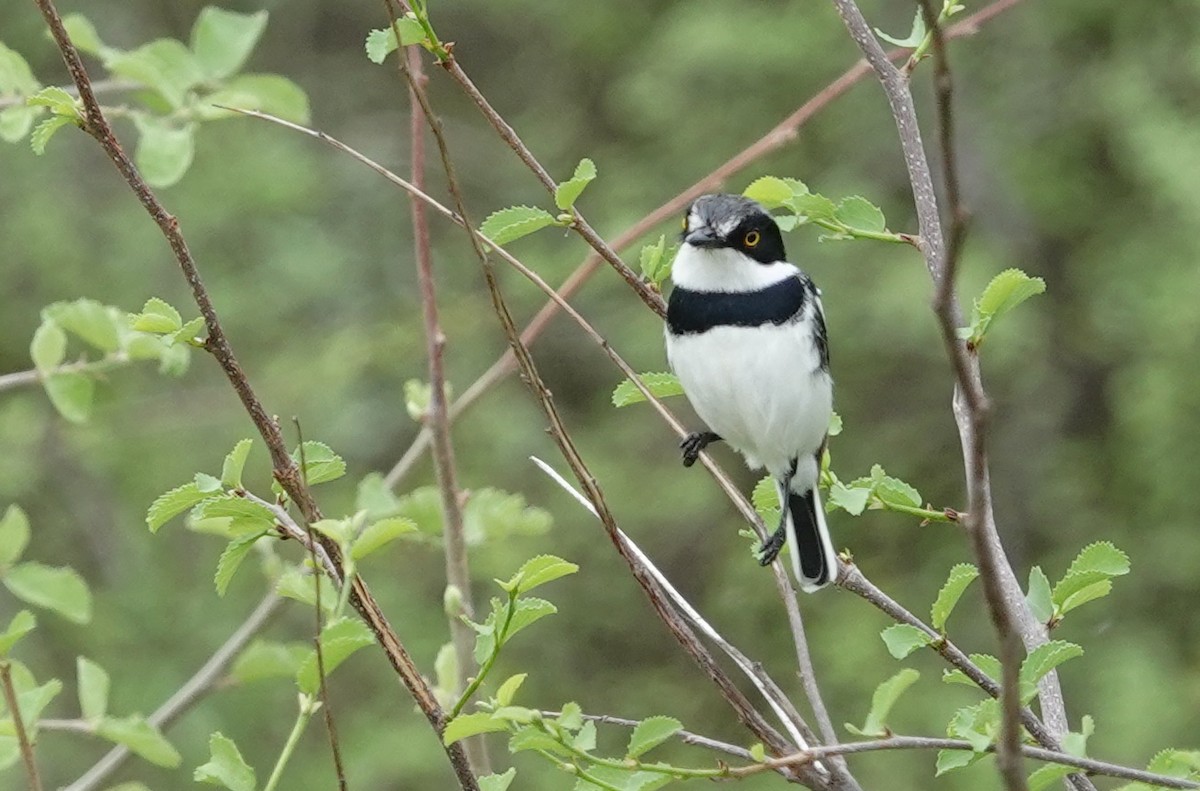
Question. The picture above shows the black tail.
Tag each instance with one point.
(814, 561)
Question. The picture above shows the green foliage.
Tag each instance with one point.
(1088, 578)
(879, 491)
(142, 738)
(235, 462)
(268, 659)
(93, 689)
(226, 767)
(59, 589)
(902, 639)
(1007, 290)
(1038, 596)
(765, 498)
(320, 463)
(989, 664)
(915, 36)
(231, 559)
(536, 572)
(496, 782)
(164, 149)
(14, 536)
(1173, 763)
(339, 640)
(649, 733)
(886, 695)
(567, 192)
(172, 503)
(661, 385)
(656, 260)
(380, 533)
(71, 393)
(223, 40)
(1041, 661)
(852, 218)
(962, 575)
(508, 225)
(382, 42)
(21, 624)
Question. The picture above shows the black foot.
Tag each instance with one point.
(694, 443)
(772, 547)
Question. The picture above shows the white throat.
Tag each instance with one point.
(725, 269)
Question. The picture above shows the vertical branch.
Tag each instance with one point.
(458, 574)
(10, 700)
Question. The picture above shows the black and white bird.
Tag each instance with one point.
(746, 337)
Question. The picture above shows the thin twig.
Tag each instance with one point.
(31, 377)
(285, 469)
(99, 86)
(687, 737)
(25, 745)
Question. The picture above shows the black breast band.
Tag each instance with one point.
(690, 312)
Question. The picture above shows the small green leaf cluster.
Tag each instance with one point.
(507, 225)
(656, 260)
(489, 514)
(661, 385)
(1006, 290)
(32, 698)
(1184, 764)
(57, 588)
(879, 491)
(119, 338)
(920, 39)
(854, 217)
(183, 86)
(411, 28)
(1088, 578)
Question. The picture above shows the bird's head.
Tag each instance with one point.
(732, 222)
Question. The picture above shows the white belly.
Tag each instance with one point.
(761, 389)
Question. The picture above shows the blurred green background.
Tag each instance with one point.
(1080, 164)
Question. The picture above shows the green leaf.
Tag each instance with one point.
(586, 738)
(231, 559)
(268, 93)
(954, 759)
(465, 725)
(892, 491)
(1075, 743)
(16, 78)
(15, 122)
(962, 575)
(656, 265)
(504, 695)
(538, 571)
(835, 424)
(157, 317)
(1096, 590)
(566, 193)
(93, 689)
(71, 393)
(95, 324)
(1041, 661)
(852, 500)
(339, 640)
(571, 716)
(294, 584)
(223, 40)
(915, 36)
(14, 536)
(84, 36)
(32, 699)
(44, 131)
(860, 214)
(508, 225)
(1038, 597)
(989, 664)
(1007, 290)
(235, 462)
(226, 767)
(382, 42)
(377, 534)
(528, 611)
(60, 589)
(22, 624)
(339, 530)
(765, 498)
(977, 724)
(494, 515)
(321, 464)
(1096, 563)
(651, 732)
(1047, 775)
(770, 191)
(661, 385)
(58, 101)
(902, 639)
(530, 738)
(209, 484)
(814, 206)
(497, 782)
(268, 659)
(165, 66)
(170, 504)
(518, 715)
(886, 695)
(164, 151)
(140, 737)
(417, 397)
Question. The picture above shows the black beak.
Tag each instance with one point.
(702, 237)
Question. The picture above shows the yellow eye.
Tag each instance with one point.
(752, 239)
(684, 223)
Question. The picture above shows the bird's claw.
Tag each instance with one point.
(691, 446)
(771, 549)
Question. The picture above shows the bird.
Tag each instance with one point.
(746, 337)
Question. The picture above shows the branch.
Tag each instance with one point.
(25, 745)
(285, 469)
(99, 86)
(23, 378)
(687, 737)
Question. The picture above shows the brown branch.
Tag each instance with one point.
(25, 745)
(285, 469)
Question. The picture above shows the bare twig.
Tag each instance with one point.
(23, 742)
(23, 378)
(285, 469)
(99, 86)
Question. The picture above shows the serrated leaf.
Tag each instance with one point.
(570, 716)
(623, 779)
(140, 737)
(164, 151)
(860, 214)
(661, 385)
(339, 530)
(71, 394)
(962, 575)
(16, 78)
(294, 584)
(504, 695)
(417, 397)
(48, 347)
(1006, 290)
(225, 766)
(538, 571)
(1095, 563)
(248, 515)
(655, 261)
(44, 131)
(528, 611)
(1038, 597)
(496, 782)
(1096, 590)
(987, 663)
(508, 225)
(208, 484)
(22, 624)
(586, 738)
(231, 559)
(566, 193)
(14, 535)
(954, 759)
(915, 36)
(770, 191)
(93, 688)
(235, 462)
(518, 715)
(1075, 743)
(165, 66)
(157, 316)
(534, 739)
(1175, 763)
(465, 725)
(374, 496)
(60, 589)
(902, 639)
(172, 503)
(893, 491)
(378, 534)
(321, 464)
(651, 732)
(268, 659)
(95, 324)
(977, 724)
(852, 500)
(223, 40)
(58, 101)
(885, 696)
(339, 640)
(813, 206)
(1041, 661)
(1047, 775)
(835, 424)
(382, 42)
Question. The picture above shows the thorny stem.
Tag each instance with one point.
(23, 742)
